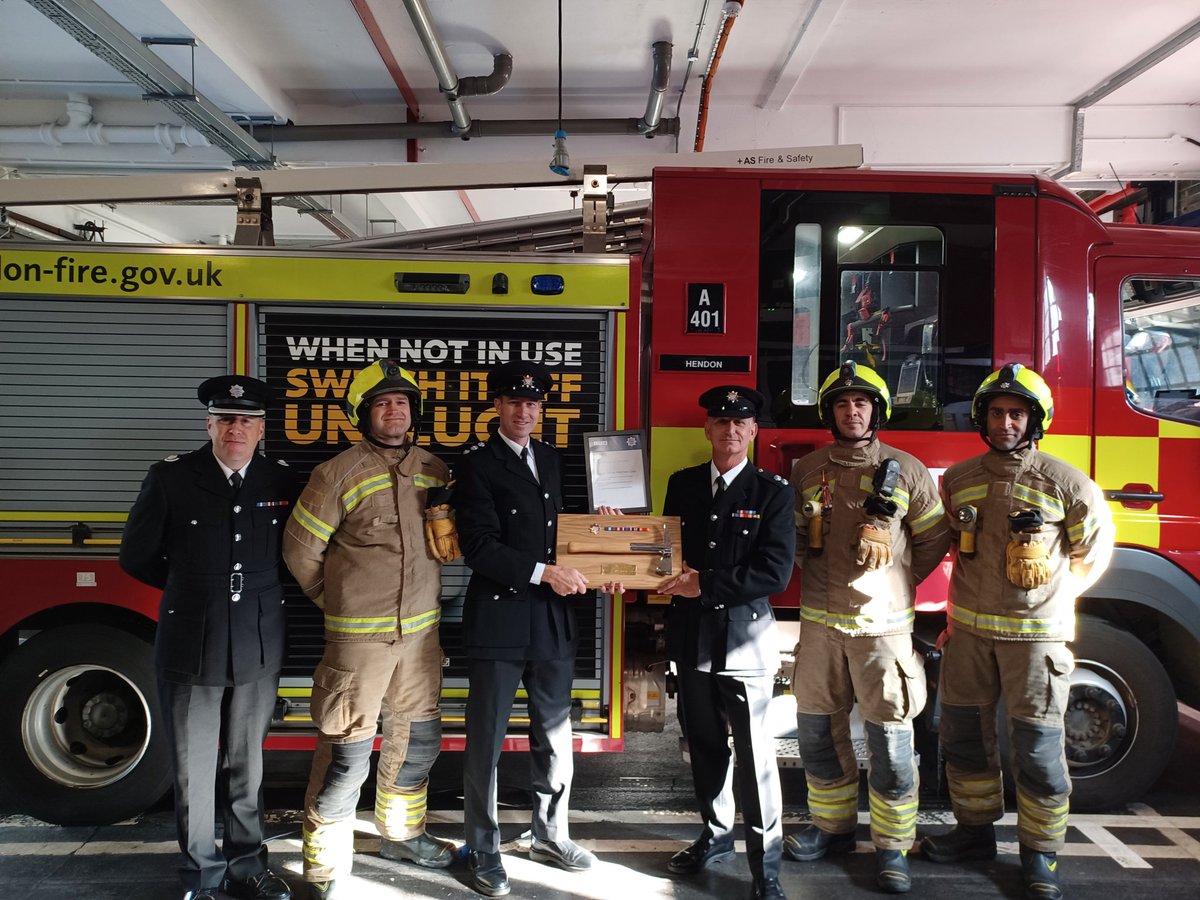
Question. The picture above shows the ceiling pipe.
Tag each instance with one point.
(448, 80)
(280, 134)
(661, 79)
(80, 128)
(729, 15)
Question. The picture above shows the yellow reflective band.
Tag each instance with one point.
(328, 846)
(1051, 505)
(1005, 624)
(972, 494)
(1085, 529)
(364, 489)
(360, 624)
(426, 482)
(312, 524)
(840, 792)
(400, 812)
(924, 522)
(421, 621)
(859, 622)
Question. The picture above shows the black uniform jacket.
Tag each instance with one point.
(217, 559)
(743, 545)
(506, 525)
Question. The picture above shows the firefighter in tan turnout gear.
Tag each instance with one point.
(366, 544)
(1033, 533)
(870, 527)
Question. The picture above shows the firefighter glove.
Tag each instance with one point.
(1028, 562)
(874, 546)
(441, 535)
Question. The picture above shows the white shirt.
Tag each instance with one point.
(228, 472)
(538, 568)
(727, 477)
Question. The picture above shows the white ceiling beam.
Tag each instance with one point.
(817, 21)
(408, 177)
(218, 35)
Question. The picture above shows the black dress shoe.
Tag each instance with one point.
(488, 875)
(564, 854)
(201, 894)
(767, 889)
(266, 885)
(700, 855)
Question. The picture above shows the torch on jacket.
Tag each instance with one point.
(356, 542)
(836, 590)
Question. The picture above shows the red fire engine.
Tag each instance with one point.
(761, 276)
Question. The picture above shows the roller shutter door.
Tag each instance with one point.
(92, 393)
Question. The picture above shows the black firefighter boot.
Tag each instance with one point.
(1040, 873)
(961, 842)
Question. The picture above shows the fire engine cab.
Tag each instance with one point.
(768, 277)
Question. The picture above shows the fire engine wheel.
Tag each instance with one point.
(80, 742)
(1121, 717)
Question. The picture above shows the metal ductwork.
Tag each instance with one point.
(448, 80)
(661, 51)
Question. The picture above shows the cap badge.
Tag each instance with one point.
(732, 397)
(848, 382)
(1005, 384)
(527, 381)
(236, 391)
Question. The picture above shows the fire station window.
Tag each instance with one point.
(1162, 347)
(898, 281)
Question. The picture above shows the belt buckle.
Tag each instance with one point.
(236, 580)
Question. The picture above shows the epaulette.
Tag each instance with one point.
(174, 457)
(770, 477)
(472, 448)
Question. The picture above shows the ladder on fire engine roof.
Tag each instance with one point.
(253, 194)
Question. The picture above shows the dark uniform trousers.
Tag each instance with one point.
(515, 632)
(724, 646)
(219, 647)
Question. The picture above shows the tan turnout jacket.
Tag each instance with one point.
(1077, 530)
(356, 543)
(836, 591)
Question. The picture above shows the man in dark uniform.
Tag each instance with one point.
(739, 538)
(206, 529)
(518, 625)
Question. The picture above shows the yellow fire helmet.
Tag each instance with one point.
(381, 377)
(1020, 381)
(853, 377)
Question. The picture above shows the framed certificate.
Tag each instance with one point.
(618, 470)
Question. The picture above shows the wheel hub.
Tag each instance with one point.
(1096, 720)
(85, 726)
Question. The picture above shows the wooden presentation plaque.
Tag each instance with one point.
(625, 549)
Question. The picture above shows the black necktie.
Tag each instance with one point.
(720, 489)
(236, 480)
(525, 455)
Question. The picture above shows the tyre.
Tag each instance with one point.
(81, 741)
(1121, 718)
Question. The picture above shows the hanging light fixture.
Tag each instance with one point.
(560, 164)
